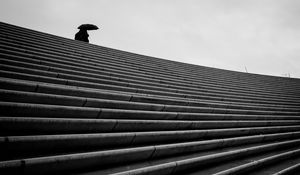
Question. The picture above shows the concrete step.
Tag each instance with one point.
(112, 55)
(38, 98)
(276, 167)
(42, 125)
(201, 160)
(37, 145)
(104, 158)
(109, 76)
(57, 80)
(107, 51)
(268, 167)
(48, 88)
(290, 170)
(32, 68)
(261, 163)
(138, 113)
(73, 62)
(24, 109)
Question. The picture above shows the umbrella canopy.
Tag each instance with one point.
(88, 27)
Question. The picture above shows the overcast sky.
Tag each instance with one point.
(262, 36)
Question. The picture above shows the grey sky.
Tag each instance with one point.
(262, 35)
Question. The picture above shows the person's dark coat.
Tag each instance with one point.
(82, 35)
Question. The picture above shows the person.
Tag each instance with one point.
(82, 35)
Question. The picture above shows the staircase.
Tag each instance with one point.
(69, 107)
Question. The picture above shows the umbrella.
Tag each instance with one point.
(88, 27)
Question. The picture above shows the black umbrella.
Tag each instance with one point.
(88, 27)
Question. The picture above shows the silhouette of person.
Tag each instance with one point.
(82, 35)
